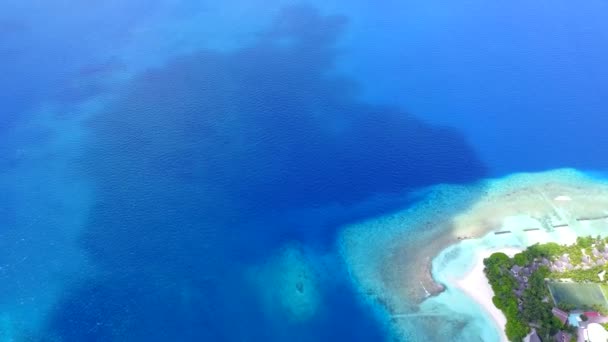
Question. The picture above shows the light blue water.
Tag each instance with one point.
(155, 153)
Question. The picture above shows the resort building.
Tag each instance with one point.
(562, 336)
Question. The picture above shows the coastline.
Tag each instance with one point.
(449, 231)
(475, 285)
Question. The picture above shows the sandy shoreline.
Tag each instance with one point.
(475, 285)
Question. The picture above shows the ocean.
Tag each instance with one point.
(183, 171)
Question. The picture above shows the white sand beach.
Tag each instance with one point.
(476, 286)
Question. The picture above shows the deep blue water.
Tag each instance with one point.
(223, 132)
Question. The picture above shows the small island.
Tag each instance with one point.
(421, 269)
(552, 292)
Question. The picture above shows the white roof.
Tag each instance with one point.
(596, 333)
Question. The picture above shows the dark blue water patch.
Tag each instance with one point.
(268, 126)
(196, 167)
(531, 95)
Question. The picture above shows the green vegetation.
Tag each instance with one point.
(604, 289)
(580, 276)
(521, 259)
(553, 250)
(565, 306)
(536, 306)
(497, 269)
(585, 242)
(532, 307)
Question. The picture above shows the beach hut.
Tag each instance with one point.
(515, 269)
(585, 259)
(562, 336)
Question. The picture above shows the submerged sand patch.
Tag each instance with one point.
(288, 284)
